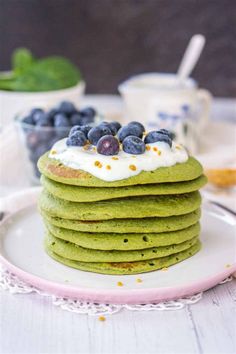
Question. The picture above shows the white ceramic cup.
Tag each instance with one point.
(13, 102)
(161, 101)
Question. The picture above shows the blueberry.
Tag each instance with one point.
(114, 126)
(35, 110)
(44, 120)
(35, 113)
(138, 124)
(110, 126)
(108, 145)
(83, 128)
(155, 136)
(38, 116)
(87, 115)
(88, 112)
(128, 130)
(133, 145)
(67, 108)
(97, 132)
(164, 131)
(60, 120)
(172, 135)
(104, 123)
(75, 128)
(167, 132)
(76, 119)
(76, 139)
(28, 120)
(52, 113)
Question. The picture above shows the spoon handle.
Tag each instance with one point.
(191, 56)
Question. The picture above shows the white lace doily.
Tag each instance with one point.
(14, 285)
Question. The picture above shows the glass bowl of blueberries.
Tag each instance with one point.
(40, 128)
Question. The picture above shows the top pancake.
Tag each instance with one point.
(56, 171)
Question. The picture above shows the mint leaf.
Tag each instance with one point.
(22, 59)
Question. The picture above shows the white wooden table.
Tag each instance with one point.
(30, 324)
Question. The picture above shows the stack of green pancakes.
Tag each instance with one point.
(139, 224)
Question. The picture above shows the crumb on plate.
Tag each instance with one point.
(102, 318)
(119, 283)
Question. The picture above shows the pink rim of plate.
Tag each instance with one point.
(118, 296)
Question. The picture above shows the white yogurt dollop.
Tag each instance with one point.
(121, 166)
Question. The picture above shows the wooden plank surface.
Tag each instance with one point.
(30, 324)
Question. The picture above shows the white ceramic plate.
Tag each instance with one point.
(21, 251)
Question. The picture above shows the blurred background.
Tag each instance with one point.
(109, 41)
(112, 39)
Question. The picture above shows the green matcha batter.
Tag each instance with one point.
(86, 194)
(123, 268)
(142, 225)
(56, 171)
(135, 207)
(124, 241)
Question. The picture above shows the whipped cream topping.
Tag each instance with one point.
(121, 166)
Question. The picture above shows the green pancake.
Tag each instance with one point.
(135, 207)
(145, 225)
(121, 268)
(86, 194)
(76, 253)
(56, 171)
(124, 242)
